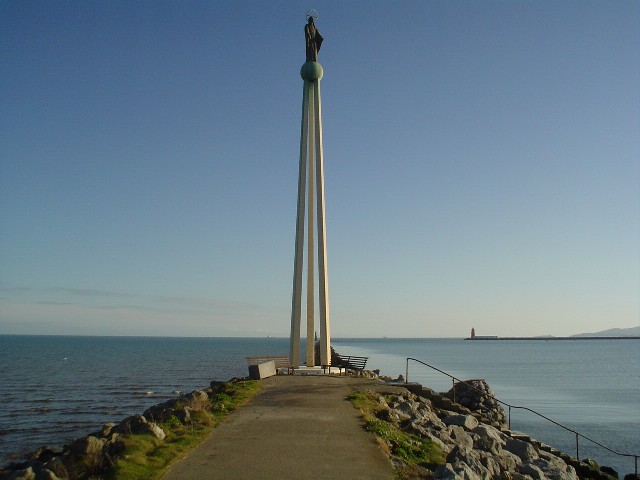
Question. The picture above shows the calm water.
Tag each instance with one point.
(53, 389)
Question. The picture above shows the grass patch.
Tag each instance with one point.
(147, 458)
(412, 455)
(366, 402)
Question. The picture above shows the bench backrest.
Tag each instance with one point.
(349, 361)
(280, 361)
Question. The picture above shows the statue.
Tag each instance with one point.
(313, 40)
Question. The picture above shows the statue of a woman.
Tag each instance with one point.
(313, 40)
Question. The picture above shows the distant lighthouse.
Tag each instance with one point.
(473, 333)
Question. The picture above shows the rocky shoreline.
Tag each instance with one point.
(470, 431)
(93, 454)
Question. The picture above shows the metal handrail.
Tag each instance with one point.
(577, 434)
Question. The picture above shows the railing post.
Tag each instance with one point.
(509, 417)
(406, 377)
(577, 448)
(454, 390)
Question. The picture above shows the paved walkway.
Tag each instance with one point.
(297, 427)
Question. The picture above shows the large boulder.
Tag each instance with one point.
(138, 424)
(524, 450)
(462, 457)
(161, 412)
(553, 468)
(476, 395)
(465, 421)
(196, 400)
(489, 439)
(460, 436)
(85, 455)
(456, 472)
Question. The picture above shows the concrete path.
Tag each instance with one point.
(297, 427)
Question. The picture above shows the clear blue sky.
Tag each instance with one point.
(482, 164)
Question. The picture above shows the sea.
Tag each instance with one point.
(57, 388)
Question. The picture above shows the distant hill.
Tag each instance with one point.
(613, 332)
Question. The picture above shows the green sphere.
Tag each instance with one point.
(311, 71)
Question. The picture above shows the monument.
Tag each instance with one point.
(311, 198)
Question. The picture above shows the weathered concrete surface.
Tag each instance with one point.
(262, 370)
(298, 427)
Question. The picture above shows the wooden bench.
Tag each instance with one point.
(349, 362)
(281, 361)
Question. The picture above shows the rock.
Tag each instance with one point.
(463, 456)
(432, 438)
(631, 476)
(514, 476)
(137, 424)
(157, 431)
(184, 415)
(445, 472)
(553, 468)
(445, 437)
(488, 439)
(476, 395)
(216, 385)
(43, 454)
(196, 400)
(609, 471)
(488, 444)
(162, 411)
(425, 416)
(449, 472)
(592, 463)
(57, 466)
(106, 429)
(88, 445)
(461, 437)
(25, 474)
(507, 461)
(488, 460)
(394, 416)
(442, 402)
(455, 472)
(408, 407)
(487, 431)
(426, 392)
(531, 470)
(466, 421)
(524, 450)
(46, 474)
(31, 470)
(86, 451)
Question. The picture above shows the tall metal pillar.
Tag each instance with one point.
(311, 196)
